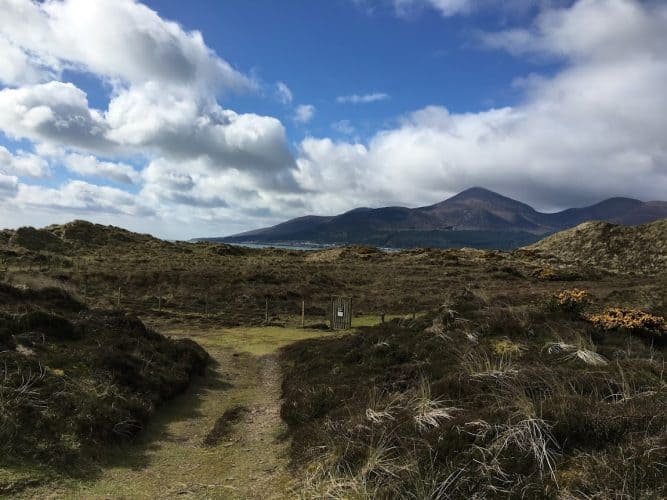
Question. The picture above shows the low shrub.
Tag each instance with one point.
(562, 274)
(413, 410)
(545, 273)
(52, 326)
(572, 301)
(631, 320)
(64, 395)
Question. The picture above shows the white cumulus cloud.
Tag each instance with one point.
(9, 186)
(91, 166)
(362, 98)
(120, 39)
(593, 130)
(304, 113)
(163, 99)
(284, 93)
(79, 197)
(23, 164)
(53, 112)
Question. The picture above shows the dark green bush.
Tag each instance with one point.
(51, 325)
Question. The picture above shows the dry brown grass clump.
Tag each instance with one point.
(535, 398)
(632, 320)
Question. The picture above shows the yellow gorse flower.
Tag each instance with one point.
(616, 318)
(574, 300)
(574, 295)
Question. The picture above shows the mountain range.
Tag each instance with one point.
(476, 217)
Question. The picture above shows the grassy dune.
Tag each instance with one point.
(526, 374)
(488, 396)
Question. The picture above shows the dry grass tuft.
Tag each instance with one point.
(480, 365)
(381, 409)
(505, 348)
(583, 350)
(429, 412)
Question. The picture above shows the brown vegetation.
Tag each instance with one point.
(635, 249)
(486, 401)
(506, 383)
(74, 379)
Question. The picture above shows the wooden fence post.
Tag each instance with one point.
(303, 313)
(266, 311)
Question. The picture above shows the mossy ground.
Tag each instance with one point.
(257, 341)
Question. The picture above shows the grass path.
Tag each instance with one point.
(169, 459)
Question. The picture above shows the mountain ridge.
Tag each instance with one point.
(476, 217)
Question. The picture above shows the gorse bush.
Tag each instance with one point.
(573, 301)
(631, 320)
(545, 273)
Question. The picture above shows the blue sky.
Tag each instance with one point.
(212, 117)
(323, 50)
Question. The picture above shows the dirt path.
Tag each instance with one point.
(170, 460)
(259, 437)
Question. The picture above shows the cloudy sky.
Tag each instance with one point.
(187, 119)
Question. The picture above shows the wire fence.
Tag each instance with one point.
(241, 309)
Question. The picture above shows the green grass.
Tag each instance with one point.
(169, 458)
(374, 319)
(15, 477)
(257, 341)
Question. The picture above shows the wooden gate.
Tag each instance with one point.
(341, 313)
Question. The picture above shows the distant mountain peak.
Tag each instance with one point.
(620, 201)
(474, 217)
(476, 192)
(484, 195)
(479, 198)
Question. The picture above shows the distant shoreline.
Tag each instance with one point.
(305, 246)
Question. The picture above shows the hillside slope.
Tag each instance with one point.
(75, 236)
(613, 247)
(481, 399)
